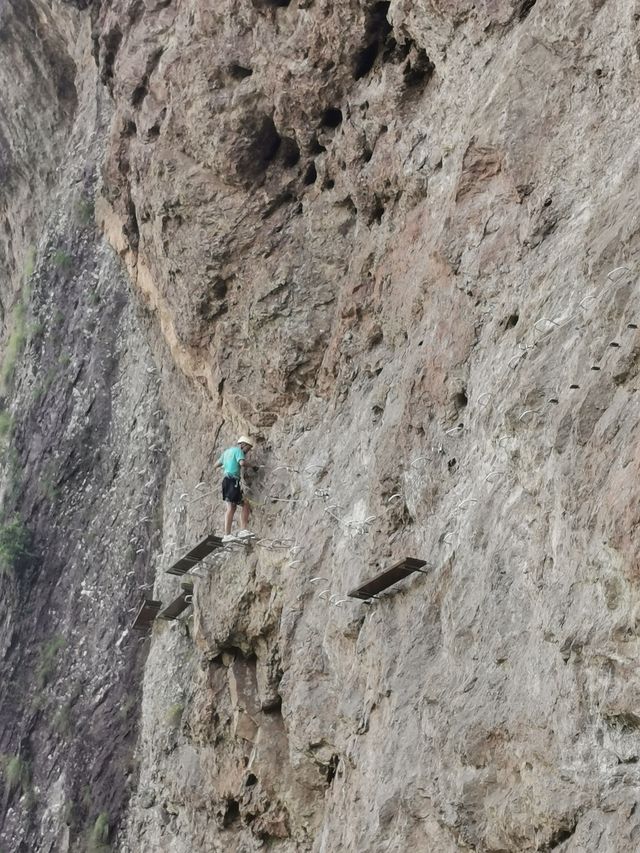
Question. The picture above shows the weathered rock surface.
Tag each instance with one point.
(398, 243)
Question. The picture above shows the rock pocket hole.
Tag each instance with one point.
(315, 147)
(290, 152)
(310, 175)
(511, 321)
(614, 344)
(377, 30)
(240, 72)
(525, 8)
(231, 812)
(460, 399)
(250, 781)
(573, 387)
(418, 71)
(329, 184)
(595, 367)
(632, 325)
(332, 768)
(331, 117)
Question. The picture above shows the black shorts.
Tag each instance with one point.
(231, 491)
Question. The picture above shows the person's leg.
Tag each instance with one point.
(228, 518)
(245, 514)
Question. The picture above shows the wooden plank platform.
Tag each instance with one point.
(195, 555)
(179, 604)
(387, 578)
(146, 614)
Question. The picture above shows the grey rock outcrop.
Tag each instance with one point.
(397, 242)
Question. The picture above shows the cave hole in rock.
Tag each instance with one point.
(328, 184)
(154, 130)
(595, 367)
(632, 325)
(263, 145)
(130, 128)
(331, 117)
(525, 8)
(131, 228)
(560, 836)
(573, 386)
(420, 343)
(112, 42)
(239, 72)
(460, 399)
(332, 768)
(377, 213)
(377, 32)
(367, 154)
(232, 812)
(219, 289)
(452, 463)
(418, 70)
(315, 147)
(310, 175)
(511, 321)
(290, 152)
(250, 781)
(139, 94)
(275, 4)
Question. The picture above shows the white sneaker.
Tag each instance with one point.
(245, 534)
(228, 537)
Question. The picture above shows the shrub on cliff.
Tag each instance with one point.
(14, 545)
(15, 772)
(15, 345)
(99, 837)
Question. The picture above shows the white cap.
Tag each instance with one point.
(245, 440)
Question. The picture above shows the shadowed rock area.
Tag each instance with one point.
(396, 243)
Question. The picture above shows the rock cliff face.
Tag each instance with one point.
(397, 242)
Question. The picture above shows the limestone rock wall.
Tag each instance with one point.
(398, 243)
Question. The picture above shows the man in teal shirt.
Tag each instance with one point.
(232, 461)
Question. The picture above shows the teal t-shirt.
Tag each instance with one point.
(230, 461)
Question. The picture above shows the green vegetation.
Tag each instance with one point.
(30, 262)
(15, 345)
(5, 424)
(16, 773)
(14, 545)
(62, 720)
(43, 386)
(62, 259)
(99, 837)
(174, 715)
(84, 211)
(47, 658)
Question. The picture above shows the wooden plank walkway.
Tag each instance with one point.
(146, 614)
(195, 555)
(179, 604)
(387, 578)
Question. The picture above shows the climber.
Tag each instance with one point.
(232, 462)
